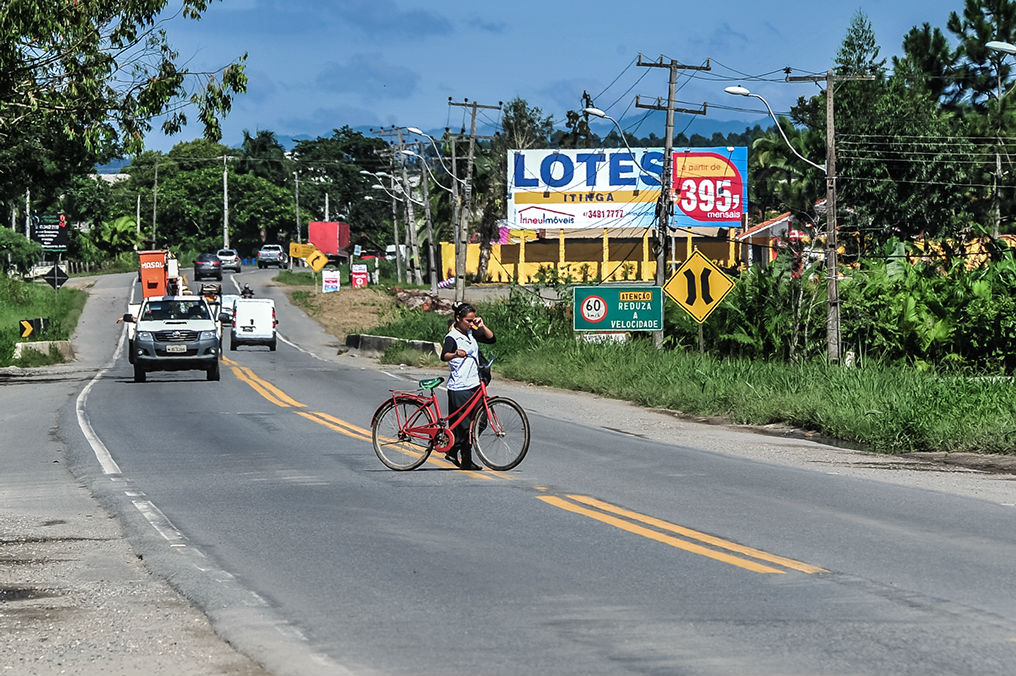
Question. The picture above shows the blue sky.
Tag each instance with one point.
(315, 65)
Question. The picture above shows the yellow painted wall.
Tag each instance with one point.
(621, 259)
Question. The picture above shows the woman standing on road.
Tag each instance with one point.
(462, 353)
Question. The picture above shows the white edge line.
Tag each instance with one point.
(162, 525)
(102, 453)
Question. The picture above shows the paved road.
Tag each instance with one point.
(610, 550)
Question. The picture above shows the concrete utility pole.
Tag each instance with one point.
(833, 336)
(28, 213)
(411, 239)
(296, 178)
(326, 207)
(155, 199)
(663, 208)
(462, 239)
(425, 185)
(225, 203)
(137, 217)
(401, 264)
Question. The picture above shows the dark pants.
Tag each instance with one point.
(457, 399)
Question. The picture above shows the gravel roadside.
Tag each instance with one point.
(74, 597)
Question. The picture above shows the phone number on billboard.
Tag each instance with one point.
(603, 213)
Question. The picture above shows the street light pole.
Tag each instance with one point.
(1004, 48)
(833, 337)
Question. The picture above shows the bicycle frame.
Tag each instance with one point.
(428, 430)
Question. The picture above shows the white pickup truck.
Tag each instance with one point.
(174, 333)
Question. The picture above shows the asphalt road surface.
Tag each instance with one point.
(626, 542)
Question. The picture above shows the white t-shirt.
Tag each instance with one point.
(463, 373)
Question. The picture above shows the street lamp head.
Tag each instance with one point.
(378, 186)
(416, 130)
(738, 91)
(406, 151)
(595, 112)
(999, 46)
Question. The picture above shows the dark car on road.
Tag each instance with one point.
(207, 265)
(229, 258)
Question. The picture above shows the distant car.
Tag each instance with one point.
(207, 265)
(272, 254)
(229, 258)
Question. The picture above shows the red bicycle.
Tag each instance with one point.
(409, 426)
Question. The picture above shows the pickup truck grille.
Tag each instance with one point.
(176, 336)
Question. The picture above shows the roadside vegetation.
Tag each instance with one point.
(25, 300)
(930, 398)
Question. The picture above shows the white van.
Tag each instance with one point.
(254, 323)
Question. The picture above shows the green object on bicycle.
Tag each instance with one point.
(430, 383)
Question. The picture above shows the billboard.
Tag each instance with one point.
(50, 230)
(618, 188)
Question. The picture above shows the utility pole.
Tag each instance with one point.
(225, 204)
(411, 239)
(663, 208)
(401, 264)
(296, 179)
(326, 206)
(424, 184)
(833, 336)
(462, 240)
(137, 217)
(28, 213)
(155, 199)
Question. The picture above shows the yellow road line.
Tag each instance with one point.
(258, 388)
(366, 433)
(272, 388)
(659, 537)
(322, 419)
(701, 537)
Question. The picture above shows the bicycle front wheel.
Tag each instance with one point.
(395, 442)
(501, 438)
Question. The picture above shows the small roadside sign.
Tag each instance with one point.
(297, 250)
(329, 281)
(316, 260)
(29, 326)
(56, 277)
(698, 286)
(358, 275)
(618, 308)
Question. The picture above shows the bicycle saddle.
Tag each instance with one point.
(430, 383)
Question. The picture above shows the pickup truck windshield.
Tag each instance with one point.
(165, 310)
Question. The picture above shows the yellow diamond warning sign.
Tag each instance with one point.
(698, 286)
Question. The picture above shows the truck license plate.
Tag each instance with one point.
(176, 348)
(248, 329)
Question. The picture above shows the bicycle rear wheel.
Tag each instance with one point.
(393, 443)
(502, 438)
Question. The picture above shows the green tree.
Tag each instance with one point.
(101, 71)
(263, 155)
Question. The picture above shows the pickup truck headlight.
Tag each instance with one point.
(144, 335)
(207, 335)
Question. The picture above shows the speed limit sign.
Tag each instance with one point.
(593, 309)
(613, 308)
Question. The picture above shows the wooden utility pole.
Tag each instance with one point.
(833, 336)
(462, 236)
(663, 208)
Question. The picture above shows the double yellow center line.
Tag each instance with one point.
(690, 541)
(673, 535)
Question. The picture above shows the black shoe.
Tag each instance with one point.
(469, 464)
(453, 458)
